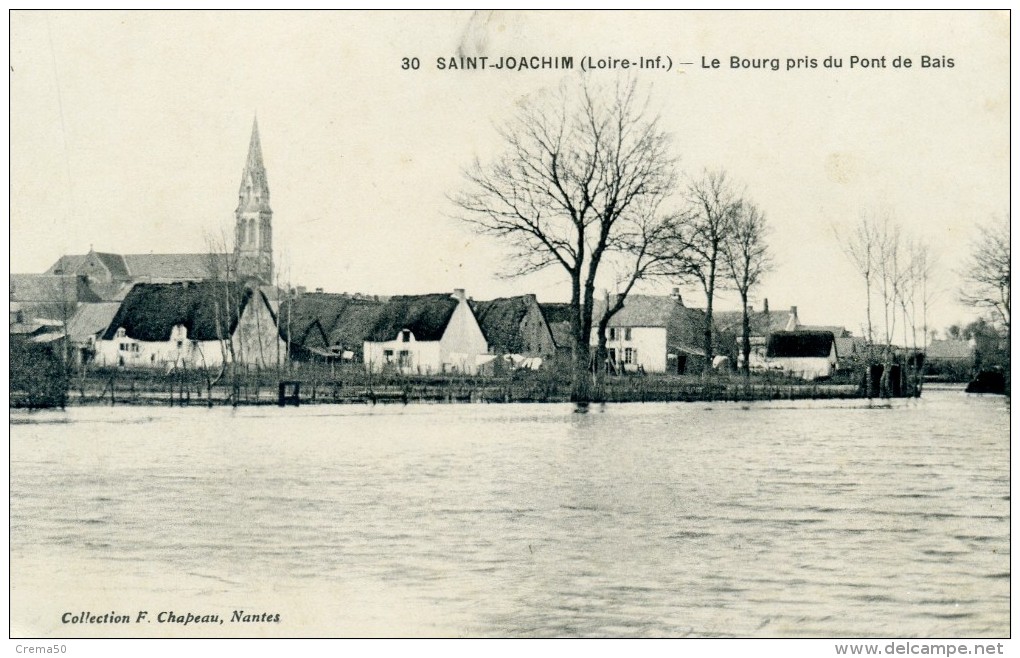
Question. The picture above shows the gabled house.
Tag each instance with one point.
(557, 318)
(191, 324)
(763, 324)
(805, 354)
(328, 326)
(652, 333)
(515, 326)
(111, 275)
(52, 297)
(86, 326)
(951, 359)
(423, 334)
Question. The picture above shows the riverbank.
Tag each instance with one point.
(331, 386)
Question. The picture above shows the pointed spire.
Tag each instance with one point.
(255, 148)
(254, 192)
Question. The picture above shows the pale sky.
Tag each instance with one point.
(129, 132)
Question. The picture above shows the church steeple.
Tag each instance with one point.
(253, 242)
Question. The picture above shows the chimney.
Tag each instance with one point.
(458, 294)
(318, 290)
(765, 305)
(301, 290)
(676, 296)
(793, 311)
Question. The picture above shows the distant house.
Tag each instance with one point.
(515, 326)
(557, 318)
(805, 354)
(201, 324)
(328, 326)
(653, 333)
(50, 296)
(951, 359)
(426, 334)
(87, 325)
(952, 350)
(763, 324)
(111, 275)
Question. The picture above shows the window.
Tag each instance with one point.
(405, 359)
(121, 332)
(626, 333)
(388, 356)
(123, 347)
(180, 344)
(612, 333)
(629, 355)
(405, 336)
(134, 347)
(612, 355)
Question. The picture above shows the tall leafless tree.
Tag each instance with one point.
(579, 165)
(748, 259)
(986, 277)
(713, 205)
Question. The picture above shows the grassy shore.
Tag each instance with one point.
(334, 385)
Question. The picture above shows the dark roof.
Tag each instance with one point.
(355, 323)
(300, 317)
(837, 331)
(556, 312)
(800, 344)
(326, 319)
(500, 321)
(151, 310)
(425, 315)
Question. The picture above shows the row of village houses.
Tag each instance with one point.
(161, 311)
(135, 311)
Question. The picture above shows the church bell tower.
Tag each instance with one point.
(253, 236)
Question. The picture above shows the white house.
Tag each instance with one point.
(762, 324)
(193, 325)
(805, 354)
(653, 333)
(423, 334)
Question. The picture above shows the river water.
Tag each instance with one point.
(785, 519)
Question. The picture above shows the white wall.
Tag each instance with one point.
(805, 367)
(650, 343)
(463, 340)
(456, 351)
(423, 357)
(255, 340)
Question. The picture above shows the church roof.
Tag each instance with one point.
(152, 267)
(174, 266)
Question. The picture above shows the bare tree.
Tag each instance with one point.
(986, 282)
(644, 250)
(578, 162)
(861, 247)
(748, 259)
(713, 207)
